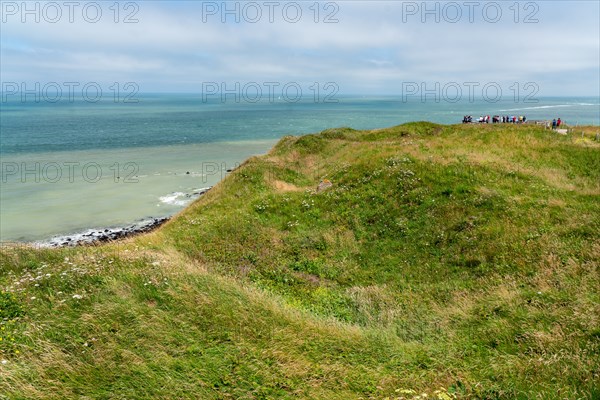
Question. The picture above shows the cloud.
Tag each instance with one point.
(373, 48)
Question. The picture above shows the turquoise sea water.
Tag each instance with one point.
(69, 166)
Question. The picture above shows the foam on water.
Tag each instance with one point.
(176, 199)
(182, 198)
(537, 108)
(549, 106)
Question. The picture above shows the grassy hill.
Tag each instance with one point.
(445, 261)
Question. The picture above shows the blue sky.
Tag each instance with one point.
(368, 47)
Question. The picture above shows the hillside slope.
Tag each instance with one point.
(452, 261)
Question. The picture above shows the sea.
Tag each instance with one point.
(72, 165)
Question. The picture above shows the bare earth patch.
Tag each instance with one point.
(282, 186)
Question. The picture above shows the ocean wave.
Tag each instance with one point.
(552, 106)
(538, 107)
(175, 199)
(182, 198)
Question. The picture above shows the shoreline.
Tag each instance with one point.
(101, 236)
(97, 236)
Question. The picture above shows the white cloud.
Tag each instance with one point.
(372, 48)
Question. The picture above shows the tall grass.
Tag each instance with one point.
(445, 261)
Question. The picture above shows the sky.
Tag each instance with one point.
(551, 48)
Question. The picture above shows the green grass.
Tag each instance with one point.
(451, 261)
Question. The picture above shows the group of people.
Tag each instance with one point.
(507, 119)
(556, 123)
(496, 119)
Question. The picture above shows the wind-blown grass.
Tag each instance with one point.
(451, 261)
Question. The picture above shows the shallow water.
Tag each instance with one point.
(67, 192)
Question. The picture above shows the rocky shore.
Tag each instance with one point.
(93, 236)
(98, 236)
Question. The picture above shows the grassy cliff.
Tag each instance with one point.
(447, 261)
